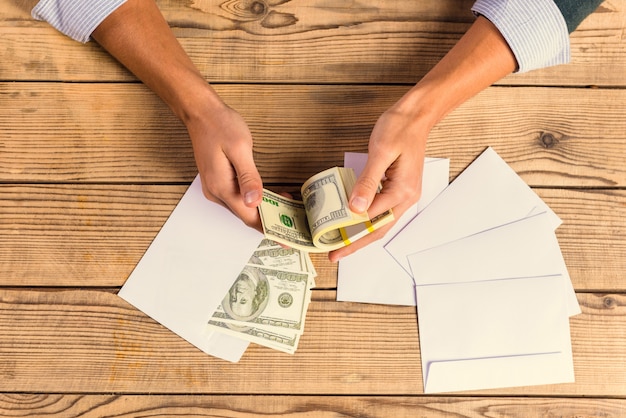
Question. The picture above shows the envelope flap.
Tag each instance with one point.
(499, 319)
(498, 372)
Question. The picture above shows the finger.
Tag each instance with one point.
(249, 216)
(225, 192)
(395, 194)
(248, 178)
(367, 184)
(403, 186)
(336, 255)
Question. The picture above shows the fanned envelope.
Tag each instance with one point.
(487, 194)
(525, 248)
(494, 308)
(189, 267)
(493, 293)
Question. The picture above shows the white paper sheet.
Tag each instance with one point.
(525, 248)
(188, 269)
(493, 334)
(486, 195)
(371, 275)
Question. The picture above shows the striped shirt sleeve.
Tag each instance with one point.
(75, 18)
(535, 30)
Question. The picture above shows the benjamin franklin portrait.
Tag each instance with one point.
(248, 296)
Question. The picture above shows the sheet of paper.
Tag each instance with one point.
(493, 334)
(485, 195)
(371, 275)
(525, 248)
(188, 269)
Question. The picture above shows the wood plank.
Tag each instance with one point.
(59, 132)
(306, 41)
(86, 341)
(593, 224)
(86, 236)
(97, 406)
(56, 235)
(90, 171)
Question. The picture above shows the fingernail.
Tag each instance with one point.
(359, 204)
(251, 196)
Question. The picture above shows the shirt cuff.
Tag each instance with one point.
(534, 29)
(75, 18)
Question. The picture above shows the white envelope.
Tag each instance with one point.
(189, 267)
(525, 248)
(487, 194)
(371, 275)
(494, 334)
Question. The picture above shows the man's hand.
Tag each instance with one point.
(396, 156)
(398, 141)
(139, 37)
(222, 146)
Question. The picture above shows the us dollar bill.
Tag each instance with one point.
(277, 339)
(285, 221)
(266, 306)
(290, 258)
(322, 221)
(260, 283)
(267, 243)
(326, 203)
(267, 296)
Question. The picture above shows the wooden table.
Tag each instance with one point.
(92, 164)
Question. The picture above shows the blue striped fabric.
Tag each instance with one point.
(534, 29)
(75, 18)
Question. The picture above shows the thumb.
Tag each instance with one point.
(366, 186)
(249, 180)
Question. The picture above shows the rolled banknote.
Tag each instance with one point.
(322, 221)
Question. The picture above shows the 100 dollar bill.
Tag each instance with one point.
(322, 221)
(266, 296)
(265, 305)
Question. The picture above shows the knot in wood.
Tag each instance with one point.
(245, 10)
(547, 140)
(257, 8)
(609, 302)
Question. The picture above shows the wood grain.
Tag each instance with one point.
(92, 164)
(63, 236)
(94, 235)
(597, 213)
(306, 41)
(92, 342)
(97, 406)
(58, 132)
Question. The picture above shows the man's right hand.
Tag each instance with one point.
(222, 146)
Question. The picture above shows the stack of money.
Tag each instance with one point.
(268, 302)
(322, 221)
